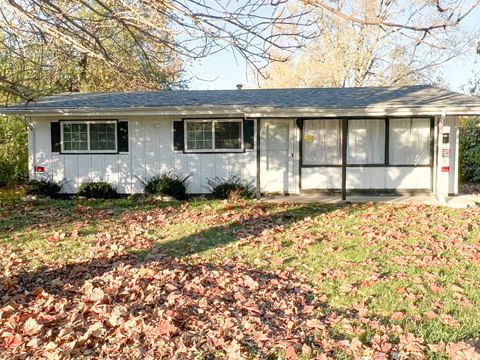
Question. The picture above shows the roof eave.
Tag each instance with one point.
(253, 111)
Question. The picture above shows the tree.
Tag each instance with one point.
(59, 45)
(107, 32)
(13, 154)
(376, 42)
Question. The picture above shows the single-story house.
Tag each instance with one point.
(378, 139)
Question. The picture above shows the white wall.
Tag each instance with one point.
(453, 123)
(321, 178)
(392, 177)
(389, 178)
(150, 152)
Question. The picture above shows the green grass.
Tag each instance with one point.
(387, 256)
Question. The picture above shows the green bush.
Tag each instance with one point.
(470, 150)
(42, 187)
(97, 190)
(226, 187)
(13, 151)
(168, 183)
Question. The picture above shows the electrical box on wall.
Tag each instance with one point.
(444, 155)
(445, 161)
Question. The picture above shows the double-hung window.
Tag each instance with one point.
(89, 136)
(219, 135)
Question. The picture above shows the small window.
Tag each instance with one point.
(213, 135)
(409, 141)
(89, 136)
(366, 142)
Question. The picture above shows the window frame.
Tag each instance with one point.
(430, 142)
(387, 142)
(302, 144)
(213, 149)
(88, 123)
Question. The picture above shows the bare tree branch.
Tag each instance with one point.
(379, 21)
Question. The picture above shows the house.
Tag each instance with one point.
(284, 140)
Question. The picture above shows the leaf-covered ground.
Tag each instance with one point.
(139, 279)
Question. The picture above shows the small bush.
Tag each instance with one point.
(168, 184)
(97, 190)
(42, 187)
(234, 186)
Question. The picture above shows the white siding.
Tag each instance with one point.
(389, 178)
(150, 152)
(453, 123)
(321, 178)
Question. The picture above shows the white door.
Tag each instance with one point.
(277, 156)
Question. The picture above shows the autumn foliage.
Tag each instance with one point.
(248, 280)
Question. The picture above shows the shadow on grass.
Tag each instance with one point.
(48, 215)
(65, 284)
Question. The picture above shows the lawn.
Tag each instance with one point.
(136, 278)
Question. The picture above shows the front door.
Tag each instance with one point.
(276, 156)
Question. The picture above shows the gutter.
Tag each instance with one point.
(253, 112)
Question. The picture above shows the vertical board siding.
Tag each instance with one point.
(150, 153)
(137, 153)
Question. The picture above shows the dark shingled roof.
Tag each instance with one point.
(318, 98)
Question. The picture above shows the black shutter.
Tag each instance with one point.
(55, 136)
(178, 137)
(122, 134)
(248, 134)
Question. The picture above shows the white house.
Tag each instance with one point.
(284, 140)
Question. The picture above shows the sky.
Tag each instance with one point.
(225, 70)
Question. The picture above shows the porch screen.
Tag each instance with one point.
(409, 141)
(322, 142)
(366, 141)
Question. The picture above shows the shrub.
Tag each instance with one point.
(97, 190)
(42, 187)
(224, 188)
(470, 150)
(168, 183)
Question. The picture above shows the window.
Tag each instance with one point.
(366, 142)
(213, 135)
(322, 142)
(409, 141)
(89, 136)
(199, 135)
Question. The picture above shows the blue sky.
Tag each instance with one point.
(224, 70)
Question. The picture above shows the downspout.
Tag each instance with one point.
(30, 145)
(438, 194)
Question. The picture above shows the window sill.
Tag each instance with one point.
(89, 152)
(239, 151)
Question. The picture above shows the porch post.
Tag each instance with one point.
(257, 184)
(344, 158)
